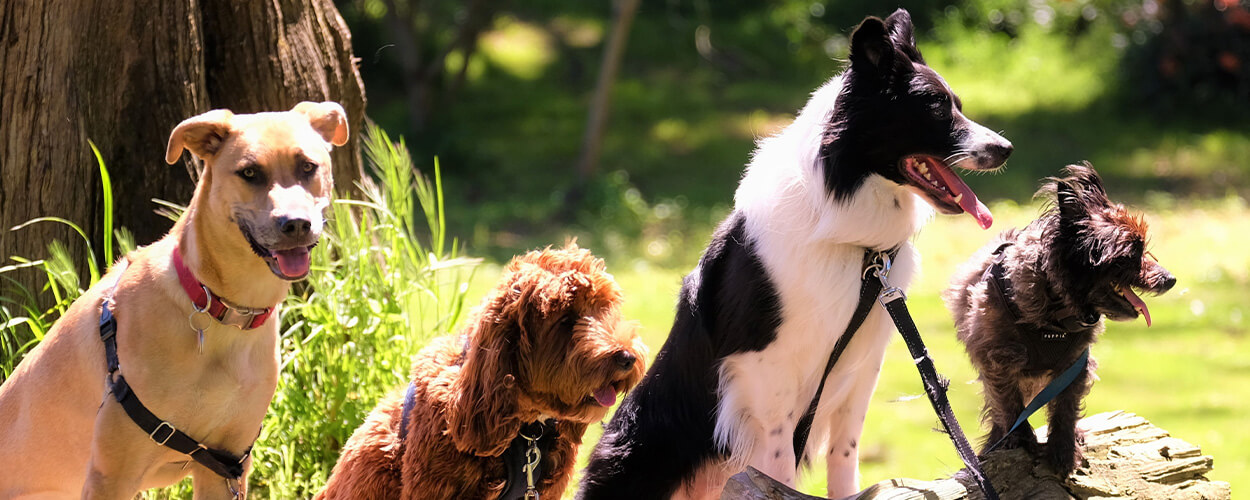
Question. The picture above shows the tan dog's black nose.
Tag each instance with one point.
(294, 227)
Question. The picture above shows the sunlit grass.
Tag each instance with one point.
(1185, 374)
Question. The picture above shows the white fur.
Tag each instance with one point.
(812, 248)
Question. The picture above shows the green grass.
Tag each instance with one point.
(1186, 373)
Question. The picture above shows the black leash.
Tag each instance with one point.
(935, 385)
(221, 462)
(869, 287)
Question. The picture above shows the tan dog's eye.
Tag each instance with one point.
(250, 174)
(307, 168)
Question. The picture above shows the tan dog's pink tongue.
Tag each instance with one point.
(606, 395)
(293, 262)
(1137, 302)
(967, 199)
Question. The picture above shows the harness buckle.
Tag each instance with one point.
(172, 430)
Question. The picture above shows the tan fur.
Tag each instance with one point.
(543, 340)
(64, 435)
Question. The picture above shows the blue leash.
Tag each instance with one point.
(1052, 390)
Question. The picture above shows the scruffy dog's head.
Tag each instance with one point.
(1032, 301)
(548, 342)
(1097, 249)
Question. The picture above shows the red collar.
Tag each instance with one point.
(245, 318)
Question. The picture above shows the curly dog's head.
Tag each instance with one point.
(547, 342)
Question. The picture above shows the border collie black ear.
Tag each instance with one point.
(870, 46)
(902, 33)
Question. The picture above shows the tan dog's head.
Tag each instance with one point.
(549, 341)
(267, 173)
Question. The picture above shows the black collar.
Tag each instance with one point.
(999, 286)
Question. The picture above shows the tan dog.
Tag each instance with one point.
(256, 213)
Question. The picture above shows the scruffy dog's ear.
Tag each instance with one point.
(483, 420)
(202, 134)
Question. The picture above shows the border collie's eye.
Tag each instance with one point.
(942, 107)
(307, 167)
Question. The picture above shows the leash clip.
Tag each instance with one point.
(532, 457)
(881, 270)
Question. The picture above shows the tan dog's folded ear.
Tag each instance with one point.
(202, 134)
(327, 118)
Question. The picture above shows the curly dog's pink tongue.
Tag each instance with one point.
(1137, 302)
(293, 262)
(606, 395)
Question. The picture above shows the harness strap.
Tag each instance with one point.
(409, 402)
(868, 289)
(221, 462)
(935, 386)
(1049, 393)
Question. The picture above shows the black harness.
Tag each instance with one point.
(874, 284)
(221, 462)
(523, 457)
(1047, 344)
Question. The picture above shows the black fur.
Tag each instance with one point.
(725, 304)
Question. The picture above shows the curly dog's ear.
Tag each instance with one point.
(483, 420)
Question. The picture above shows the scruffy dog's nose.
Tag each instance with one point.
(294, 227)
(1168, 282)
(624, 359)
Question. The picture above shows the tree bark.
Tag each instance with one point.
(123, 74)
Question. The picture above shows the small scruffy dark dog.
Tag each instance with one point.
(1028, 304)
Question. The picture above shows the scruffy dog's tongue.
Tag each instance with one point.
(293, 262)
(1137, 302)
(606, 395)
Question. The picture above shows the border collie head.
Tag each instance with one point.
(897, 118)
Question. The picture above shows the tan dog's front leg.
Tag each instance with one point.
(209, 486)
(121, 455)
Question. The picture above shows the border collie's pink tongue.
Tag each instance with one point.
(606, 395)
(966, 199)
(293, 262)
(1137, 302)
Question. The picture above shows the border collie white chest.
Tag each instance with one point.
(860, 168)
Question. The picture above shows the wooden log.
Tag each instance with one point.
(1125, 457)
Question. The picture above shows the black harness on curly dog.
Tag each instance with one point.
(1053, 342)
(523, 458)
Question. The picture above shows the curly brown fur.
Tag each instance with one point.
(544, 341)
(1065, 271)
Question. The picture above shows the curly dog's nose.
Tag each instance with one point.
(624, 359)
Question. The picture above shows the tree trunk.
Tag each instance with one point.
(597, 118)
(1126, 456)
(123, 74)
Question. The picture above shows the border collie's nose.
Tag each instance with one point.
(1002, 150)
(624, 359)
(294, 227)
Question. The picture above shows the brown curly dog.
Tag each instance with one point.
(546, 354)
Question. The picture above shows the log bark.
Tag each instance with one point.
(1127, 457)
(123, 74)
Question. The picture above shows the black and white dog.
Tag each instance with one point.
(756, 320)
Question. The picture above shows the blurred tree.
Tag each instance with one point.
(123, 74)
(597, 116)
